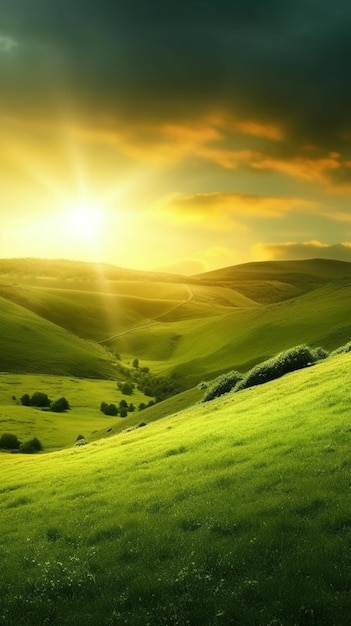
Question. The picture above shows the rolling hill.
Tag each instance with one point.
(192, 328)
(233, 512)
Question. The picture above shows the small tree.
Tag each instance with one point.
(9, 442)
(111, 409)
(123, 404)
(136, 363)
(127, 389)
(123, 412)
(25, 400)
(31, 446)
(40, 399)
(60, 405)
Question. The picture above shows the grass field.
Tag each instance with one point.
(54, 430)
(233, 512)
(188, 327)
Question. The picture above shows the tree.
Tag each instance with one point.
(9, 442)
(127, 389)
(123, 412)
(123, 404)
(136, 363)
(60, 405)
(25, 400)
(40, 399)
(31, 446)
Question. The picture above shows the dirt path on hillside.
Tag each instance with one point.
(153, 321)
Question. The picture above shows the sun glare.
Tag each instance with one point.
(84, 221)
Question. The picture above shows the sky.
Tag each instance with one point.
(182, 136)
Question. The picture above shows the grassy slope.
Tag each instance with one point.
(54, 430)
(204, 348)
(274, 281)
(235, 512)
(99, 310)
(31, 344)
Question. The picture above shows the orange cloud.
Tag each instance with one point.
(202, 205)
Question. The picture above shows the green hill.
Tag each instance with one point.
(197, 349)
(233, 512)
(273, 281)
(30, 343)
(190, 328)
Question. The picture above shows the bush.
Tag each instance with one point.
(111, 410)
(80, 437)
(25, 400)
(342, 350)
(9, 442)
(127, 389)
(60, 405)
(123, 412)
(222, 385)
(40, 399)
(283, 363)
(31, 447)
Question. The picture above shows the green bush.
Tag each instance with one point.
(9, 442)
(60, 405)
(283, 363)
(342, 350)
(40, 399)
(222, 385)
(111, 410)
(25, 399)
(31, 447)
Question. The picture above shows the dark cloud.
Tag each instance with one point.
(271, 60)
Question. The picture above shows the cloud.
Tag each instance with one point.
(7, 43)
(200, 206)
(305, 250)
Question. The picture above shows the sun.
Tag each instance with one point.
(84, 221)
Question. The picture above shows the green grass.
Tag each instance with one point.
(200, 349)
(232, 512)
(29, 343)
(54, 430)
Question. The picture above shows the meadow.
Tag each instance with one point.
(54, 430)
(230, 512)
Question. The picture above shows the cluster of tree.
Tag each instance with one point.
(41, 400)
(122, 409)
(8, 441)
(157, 387)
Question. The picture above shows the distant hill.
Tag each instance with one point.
(273, 281)
(29, 343)
(192, 328)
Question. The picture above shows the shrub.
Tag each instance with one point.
(103, 406)
(127, 389)
(25, 400)
(80, 437)
(111, 410)
(203, 385)
(40, 399)
(222, 385)
(142, 406)
(319, 354)
(60, 405)
(342, 350)
(283, 363)
(31, 447)
(9, 442)
(123, 412)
